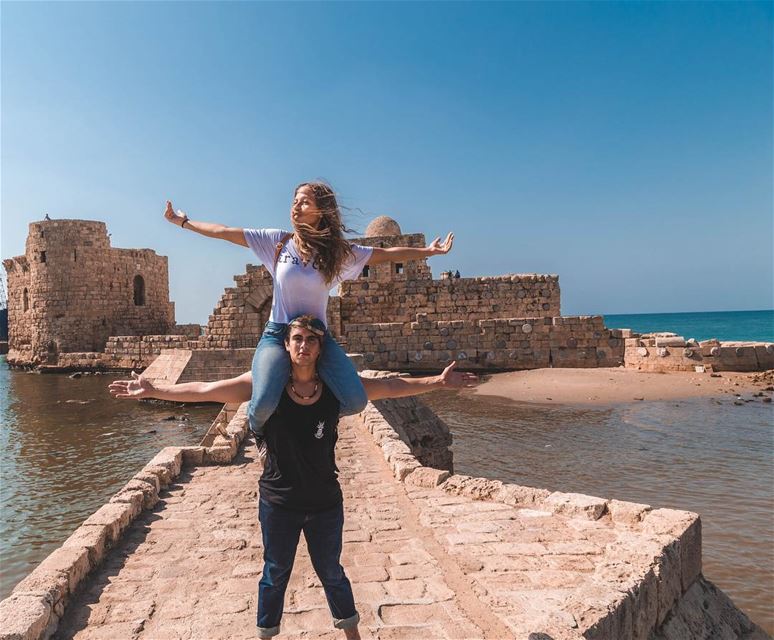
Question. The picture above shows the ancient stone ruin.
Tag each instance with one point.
(77, 303)
(71, 290)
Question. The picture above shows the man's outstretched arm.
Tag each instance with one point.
(379, 388)
(237, 389)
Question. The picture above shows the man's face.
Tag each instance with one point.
(303, 346)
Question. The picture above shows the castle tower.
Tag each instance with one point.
(385, 232)
(71, 290)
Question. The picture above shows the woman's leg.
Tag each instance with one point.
(271, 372)
(338, 372)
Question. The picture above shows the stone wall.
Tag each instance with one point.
(670, 352)
(238, 319)
(503, 343)
(37, 603)
(417, 425)
(137, 352)
(400, 300)
(71, 290)
(647, 585)
(239, 316)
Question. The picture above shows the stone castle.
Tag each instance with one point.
(75, 302)
(71, 290)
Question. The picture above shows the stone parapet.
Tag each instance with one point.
(563, 565)
(37, 603)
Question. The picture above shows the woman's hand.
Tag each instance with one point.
(437, 247)
(137, 388)
(457, 379)
(175, 218)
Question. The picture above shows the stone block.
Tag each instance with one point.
(116, 516)
(517, 495)
(690, 554)
(628, 513)
(149, 478)
(25, 617)
(576, 505)
(134, 497)
(477, 488)
(668, 579)
(403, 466)
(93, 538)
(72, 562)
(670, 341)
(218, 454)
(427, 477)
(170, 457)
(150, 492)
(50, 584)
(162, 473)
(192, 456)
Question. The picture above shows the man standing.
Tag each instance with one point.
(299, 487)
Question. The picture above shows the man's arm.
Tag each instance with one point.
(237, 389)
(208, 229)
(379, 388)
(404, 254)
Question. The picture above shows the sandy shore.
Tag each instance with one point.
(619, 385)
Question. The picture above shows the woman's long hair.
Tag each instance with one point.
(326, 244)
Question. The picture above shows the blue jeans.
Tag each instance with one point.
(281, 529)
(271, 372)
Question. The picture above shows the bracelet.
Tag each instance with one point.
(182, 224)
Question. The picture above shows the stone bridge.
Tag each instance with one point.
(177, 554)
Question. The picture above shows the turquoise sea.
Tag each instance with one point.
(723, 325)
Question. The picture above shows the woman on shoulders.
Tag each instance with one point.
(305, 264)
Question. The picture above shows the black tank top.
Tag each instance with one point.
(300, 471)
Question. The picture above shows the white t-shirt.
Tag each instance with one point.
(299, 288)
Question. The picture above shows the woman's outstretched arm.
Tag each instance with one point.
(403, 254)
(237, 389)
(209, 229)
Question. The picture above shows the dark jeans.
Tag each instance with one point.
(281, 529)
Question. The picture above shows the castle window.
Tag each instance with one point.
(139, 291)
(42, 256)
(398, 267)
(366, 271)
(75, 255)
(25, 299)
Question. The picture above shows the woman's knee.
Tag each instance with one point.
(355, 400)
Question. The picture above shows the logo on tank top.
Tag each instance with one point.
(320, 426)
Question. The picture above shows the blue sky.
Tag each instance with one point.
(626, 147)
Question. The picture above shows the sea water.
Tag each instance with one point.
(744, 326)
(704, 455)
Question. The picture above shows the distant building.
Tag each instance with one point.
(71, 290)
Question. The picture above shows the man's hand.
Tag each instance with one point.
(175, 218)
(437, 247)
(137, 388)
(457, 379)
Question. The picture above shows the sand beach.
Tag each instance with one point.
(617, 385)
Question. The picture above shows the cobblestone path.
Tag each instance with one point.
(190, 567)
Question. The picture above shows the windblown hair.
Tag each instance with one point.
(324, 245)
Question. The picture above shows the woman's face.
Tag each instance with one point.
(304, 208)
